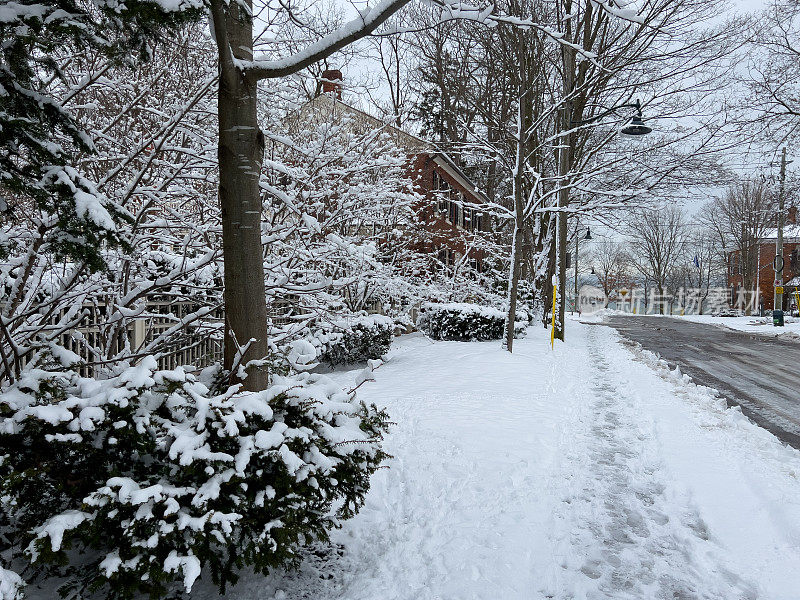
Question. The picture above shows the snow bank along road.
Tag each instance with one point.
(589, 472)
(762, 374)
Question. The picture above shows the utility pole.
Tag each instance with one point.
(778, 264)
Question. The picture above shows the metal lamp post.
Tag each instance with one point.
(635, 127)
(588, 236)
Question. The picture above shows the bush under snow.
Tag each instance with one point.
(142, 482)
(353, 340)
(465, 322)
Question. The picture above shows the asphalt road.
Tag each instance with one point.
(759, 373)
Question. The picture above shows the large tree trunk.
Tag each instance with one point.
(241, 151)
(565, 159)
(562, 271)
(523, 126)
(561, 232)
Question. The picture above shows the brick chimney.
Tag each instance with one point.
(332, 82)
(791, 218)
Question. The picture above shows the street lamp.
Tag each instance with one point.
(588, 236)
(635, 128)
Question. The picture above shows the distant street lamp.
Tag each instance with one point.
(588, 236)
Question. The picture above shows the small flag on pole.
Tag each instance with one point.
(696, 261)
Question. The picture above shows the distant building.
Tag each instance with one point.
(450, 210)
(765, 274)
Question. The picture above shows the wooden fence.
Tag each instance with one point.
(198, 344)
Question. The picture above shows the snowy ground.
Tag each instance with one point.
(588, 472)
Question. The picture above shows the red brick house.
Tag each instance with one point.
(765, 274)
(450, 210)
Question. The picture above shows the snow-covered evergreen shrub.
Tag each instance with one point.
(353, 340)
(465, 322)
(141, 482)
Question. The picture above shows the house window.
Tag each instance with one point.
(443, 192)
(459, 211)
(446, 257)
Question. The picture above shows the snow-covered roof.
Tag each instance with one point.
(793, 282)
(789, 231)
(327, 103)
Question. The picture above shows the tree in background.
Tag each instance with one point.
(611, 263)
(773, 97)
(739, 219)
(603, 59)
(705, 264)
(658, 241)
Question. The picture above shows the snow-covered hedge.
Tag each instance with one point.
(140, 483)
(465, 322)
(353, 340)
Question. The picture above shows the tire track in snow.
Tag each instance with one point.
(630, 537)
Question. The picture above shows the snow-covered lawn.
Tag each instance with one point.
(588, 472)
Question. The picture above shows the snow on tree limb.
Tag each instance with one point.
(368, 21)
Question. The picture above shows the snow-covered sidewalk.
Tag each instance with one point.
(588, 472)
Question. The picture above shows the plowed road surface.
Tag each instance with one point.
(759, 373)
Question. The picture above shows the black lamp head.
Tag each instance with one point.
(636, 127)
(588, 234)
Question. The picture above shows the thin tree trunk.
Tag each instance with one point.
(513, 288)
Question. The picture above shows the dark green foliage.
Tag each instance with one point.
(157, 478)
(359, 343)
(40, 138)
(465, 322)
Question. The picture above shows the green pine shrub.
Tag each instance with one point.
(466, 322)
(140, 483)
(353, 341)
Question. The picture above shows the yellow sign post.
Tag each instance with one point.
(553, 321)
(778, 289)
